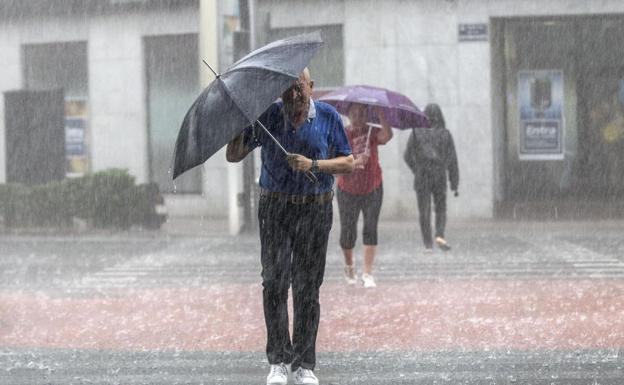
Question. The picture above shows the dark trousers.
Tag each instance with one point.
(436, 188)
(349, 207)
(293, 240)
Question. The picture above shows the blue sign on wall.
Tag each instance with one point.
(540, 99)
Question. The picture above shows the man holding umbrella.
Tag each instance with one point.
(295, 217)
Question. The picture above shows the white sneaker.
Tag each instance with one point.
(368, 281)
(305, 377)
(278, 375)
(442, 244)
(349, 274)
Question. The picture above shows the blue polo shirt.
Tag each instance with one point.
(321, 136)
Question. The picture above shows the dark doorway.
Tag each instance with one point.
(601, 109)
(563, 140)
(35, 136)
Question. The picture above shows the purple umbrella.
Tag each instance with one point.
(398, 109)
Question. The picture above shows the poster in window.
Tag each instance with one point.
(76, 151)
(540, 98)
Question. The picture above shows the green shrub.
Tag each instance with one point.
(47, 205)
(110, 198)
(106, 199)
(144, 198)
(15, 207)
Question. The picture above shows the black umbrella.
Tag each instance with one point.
(237, 98)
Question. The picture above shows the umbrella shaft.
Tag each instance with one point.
(309, 174)
(272, 137)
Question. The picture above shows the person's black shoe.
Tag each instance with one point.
(441, 242)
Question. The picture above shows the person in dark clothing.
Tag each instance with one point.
(430, 153)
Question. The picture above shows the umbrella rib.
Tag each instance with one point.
(293, 45)
(233, 98)
(255, 67)
(231, 95)
(252, 121)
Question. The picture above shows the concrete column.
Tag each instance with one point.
(117, 96)
(209, 51)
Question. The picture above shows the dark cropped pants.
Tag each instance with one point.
(349, 208)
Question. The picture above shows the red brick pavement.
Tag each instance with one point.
(455, 314)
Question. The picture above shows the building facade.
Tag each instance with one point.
(532, 91)
(129, 70)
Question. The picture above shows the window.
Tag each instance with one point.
(63, 66)
(327, 66)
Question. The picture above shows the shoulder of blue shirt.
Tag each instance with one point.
(325, 107)
(320, 107)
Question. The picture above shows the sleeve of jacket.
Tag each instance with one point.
(410, 153)
(452, 163)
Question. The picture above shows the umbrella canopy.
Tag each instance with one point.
(237, 97)
(398, 109)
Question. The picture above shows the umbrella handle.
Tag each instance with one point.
(311, 177)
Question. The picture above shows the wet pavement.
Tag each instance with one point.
(512, 303)
(384, 368)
